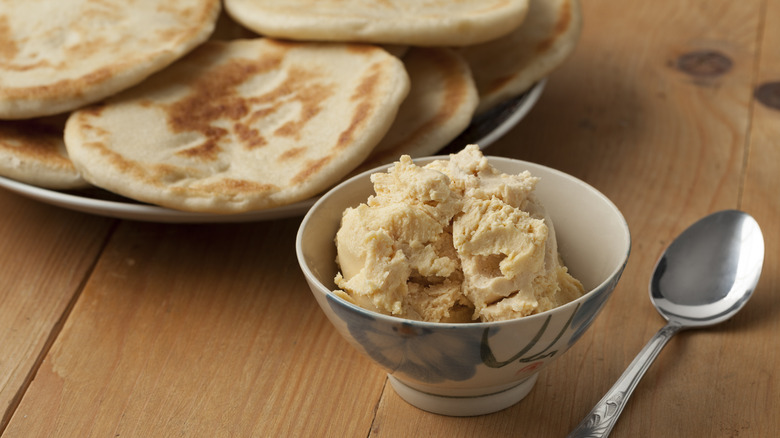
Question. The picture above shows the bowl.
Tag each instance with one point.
(483, 367)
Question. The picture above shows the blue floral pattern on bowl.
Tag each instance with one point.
(523, 355)
(418, 353)
(431, 356)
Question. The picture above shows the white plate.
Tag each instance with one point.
(484, 130)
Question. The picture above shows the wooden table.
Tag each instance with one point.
(115, 328)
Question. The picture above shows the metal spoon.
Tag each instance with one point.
(705, 276)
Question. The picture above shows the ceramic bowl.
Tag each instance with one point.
(477, 368)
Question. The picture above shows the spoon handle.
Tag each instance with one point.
(600, 421)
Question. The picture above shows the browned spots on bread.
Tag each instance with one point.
(232, 186)
(65, 88)
(302, 86)
(234, 122)
(97, 11)
(27, 67)
(91, 39)
(358, 118)
(367, 86)
(123, 165)
(561, 26)
(92, 130)
(91, 111)
(261, 113)
(310, 98)
(312, 167)
(208, 150)
(364, 95)
(8, 48)
(166, 175)
(215, 98)
(91, 51)
(249, 137)
(85, 48)
(291, 153)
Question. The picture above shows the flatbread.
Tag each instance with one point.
(241, 125)
(439, 106)
(58, 55)
(33, 152)
(413, 22)
(506, 67)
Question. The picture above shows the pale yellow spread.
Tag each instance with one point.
(453, 241)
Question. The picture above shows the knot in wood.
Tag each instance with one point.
(768, 94)
(704, 63)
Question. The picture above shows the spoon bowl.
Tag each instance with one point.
(704, 277)
(710, 271)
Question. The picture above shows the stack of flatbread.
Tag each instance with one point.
(244, 105)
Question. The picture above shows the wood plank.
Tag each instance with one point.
(204, 331)
(47, 254)
(667, 148)
(762, 318)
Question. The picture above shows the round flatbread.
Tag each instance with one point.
(241, 125)
(440, 104)
(413, 22)
(508, 66)
(57, 55)
(33, 152)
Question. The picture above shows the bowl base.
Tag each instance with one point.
(463, 406)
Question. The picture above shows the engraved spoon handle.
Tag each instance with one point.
(600, 421)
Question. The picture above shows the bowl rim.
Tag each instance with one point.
(327, 293)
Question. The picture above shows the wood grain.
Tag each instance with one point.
(195, 330)
(210, 330)
(757, 367)
(46, 255)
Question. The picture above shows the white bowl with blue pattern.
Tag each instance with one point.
(477, 368)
